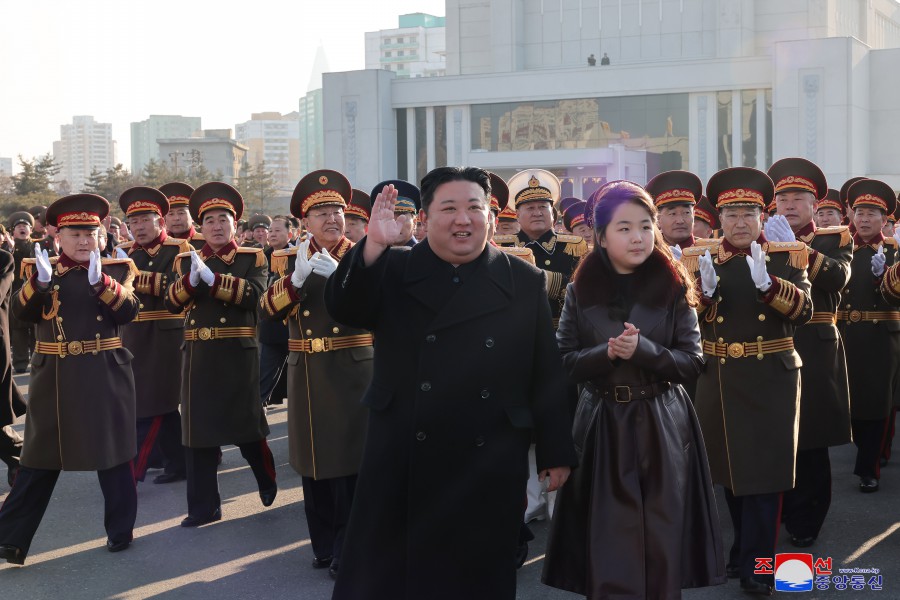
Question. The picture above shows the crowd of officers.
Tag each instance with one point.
(801, 289)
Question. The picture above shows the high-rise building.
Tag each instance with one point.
(5, 166)
(416, 48)
(691, 84)
(145, 133)
(84, 145)
(275, 139)
(310, 116)
(214, 149)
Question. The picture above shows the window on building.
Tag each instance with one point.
(399, 52)
(440, 135)
(402, 171)
(421, 144)
(723, 120)
(388, 54)
(399, 40)
(749, 141)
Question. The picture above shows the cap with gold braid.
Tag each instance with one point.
(798, 175)
(216, 195)
(573, 212)
(360, 205)
(508, 214)
(320, 188)
(179, 194)
(675, 187)
(845, 190)
(499, 194)
(705, 212)
(832, 199)
(534, 185)
(740, 186)
(140, 199)
(409, 197)
(872, 193)
(78, 210)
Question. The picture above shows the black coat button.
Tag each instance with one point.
(421, 436)
(425, 387)
(479, 441)
(485, 394)
(489, 343)
(430, 337)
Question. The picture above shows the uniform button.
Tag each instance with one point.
(335, 330)
(309, 332)
(430, 338)
(761, 317)
(221, 319)
(59, 338)
(485, 394)
(547, 262)
(305, 313)
(479, 441)
(425, 387)
(58, 318)
(722, 361)
(150, 263)
(141, 305)
(720, 319)
(721, 340)
(99, 318)
(421, 436)
(192, 321)
(489, 343)
(455, 279)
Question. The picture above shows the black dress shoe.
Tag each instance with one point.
(12, 554)
(802, 542)
(117, 546)
(169, 478)
(321, 563)
(752, 586)
(268, 496)
(867, 485)
(333, 570)
(191, 521)
(732, 571)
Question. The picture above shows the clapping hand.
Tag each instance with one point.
(708, 279)
(676, 251)
(878, 260)
(323, 264)
(779, 230)
(199, 271)
(757, 263)
(302, 268)
(95, 267)
(42, 262)
(624, 346)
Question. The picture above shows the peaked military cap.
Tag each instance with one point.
(832, 199)
(798, 175)
(533, 185)
(872, 193)
(143, 199)
(259, 220)
(409, 198)
(320, 188)
(216, 195)
(360, 205)
(19, 217)
(573, 214)
(675, 187)
(178, 193)
(499, 194)
(740, 186)
(78, 210)
(705, 212)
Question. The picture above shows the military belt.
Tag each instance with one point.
(203, 334)
(627, 393)
(327, 344)
(759, 348)
(855, 316)
(823, 317)
(156, 315)
(74, 348)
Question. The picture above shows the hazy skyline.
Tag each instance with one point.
(123, 61)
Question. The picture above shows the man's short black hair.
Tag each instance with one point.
(441, 175)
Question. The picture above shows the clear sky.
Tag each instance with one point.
(123, 60)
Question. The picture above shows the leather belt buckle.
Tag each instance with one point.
(204, 333)
(736, 350)
(855, 316)
(627, 393)
(318, 344)
(75, 348)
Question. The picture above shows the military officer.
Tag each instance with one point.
(22, 333)
(675, 194)
(829, 210)
(259, 226)
(12, 404)
(755, 294)
(273, 335)
(824, 393)
(356, 216)
(499, 201)
(507, 222)
(156, 334)
(706, 222)
(79, 303)
(844, 195)
(408, 203)
(573, 219)
(870, 325)
(219, 288)
(179, 223)
(329, 367)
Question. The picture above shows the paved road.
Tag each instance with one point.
(264, 553)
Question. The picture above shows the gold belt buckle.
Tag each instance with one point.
(736, 350)
(75, 348)
(855, 316)
(318, 344)
(204, 333)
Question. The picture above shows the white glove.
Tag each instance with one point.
(897, 235)
(757, 262)
(302, 268)
(779, 230)
(94, 268)
(676, 251)
(323, 264)
(121, 253)
(878, 260)
(42, 262)
(199, 271)
(708, 279)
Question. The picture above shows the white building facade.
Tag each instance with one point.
(417, 48)
(84, 145)
(273, 138)
(692, 84)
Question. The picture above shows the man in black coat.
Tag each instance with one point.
(12, 404)
(439, 497)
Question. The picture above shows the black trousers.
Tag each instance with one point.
(162, 432)
(889, 436)
(327, 503)
(868, 435)
(24, 508)
(272, 374)
(756, 519)
(21, 341)
(806, 506)
(202, 479)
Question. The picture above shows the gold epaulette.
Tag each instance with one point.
(506, 239)
(524, 253)
(575, 244)
(198, 236)
(133, 271)
(890, 241)
(183, 255)
(183, 245)
(279, 261)
(27, 266)
(126, 245)
(690, 256)
(706, 242)
(799, 258)
(260, 255)
(843, 230)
